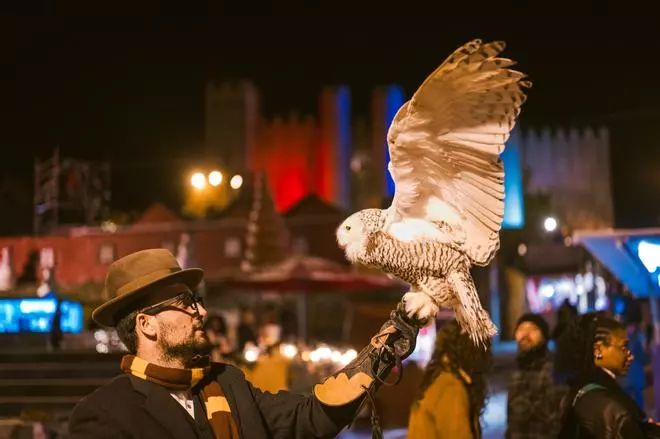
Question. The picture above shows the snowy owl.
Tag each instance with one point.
(448, 205)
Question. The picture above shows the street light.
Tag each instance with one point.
(236, 181)
(215, 178)
(198, 180)
(550, 224)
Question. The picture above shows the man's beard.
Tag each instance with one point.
(186, 350)
(532, 358)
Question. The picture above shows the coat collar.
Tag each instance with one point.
(163, 407)
(605, 379)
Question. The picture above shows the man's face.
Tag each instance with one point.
(180, 330)
(528, 336)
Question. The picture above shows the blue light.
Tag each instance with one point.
(394, 99)
(647, 251)
(619, 305)
(344, 159)
(36, 315)
(514, 217)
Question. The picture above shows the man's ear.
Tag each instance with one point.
(146, 325)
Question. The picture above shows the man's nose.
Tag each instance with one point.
(201, 310)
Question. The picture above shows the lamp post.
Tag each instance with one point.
(215, 178)
(210, 190)
(198, 180)
(550, 224)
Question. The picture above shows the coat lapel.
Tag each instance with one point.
(162, 407)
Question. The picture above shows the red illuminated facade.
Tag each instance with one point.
(301, 156)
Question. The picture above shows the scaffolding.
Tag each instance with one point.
(68, 191)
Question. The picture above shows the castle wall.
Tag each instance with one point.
(572, 166)
(231, 123)
(287, 151)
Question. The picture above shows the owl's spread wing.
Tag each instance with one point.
(445, 144)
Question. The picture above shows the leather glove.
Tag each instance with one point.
(394, 342)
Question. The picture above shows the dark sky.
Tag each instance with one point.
(132, 90)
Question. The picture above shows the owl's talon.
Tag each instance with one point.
(419, 307)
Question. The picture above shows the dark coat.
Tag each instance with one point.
(534, 402)
(129, 407)
(606, 413)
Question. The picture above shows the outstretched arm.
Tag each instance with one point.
(336, 401)
(288, 415)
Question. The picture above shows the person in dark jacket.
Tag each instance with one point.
(170, 390)
(533, 399)
(591, 353)
(565, 315)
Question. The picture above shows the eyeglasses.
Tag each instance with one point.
(185, 300)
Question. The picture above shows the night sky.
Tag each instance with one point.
(131, 91)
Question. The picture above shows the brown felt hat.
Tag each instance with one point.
(139, 280)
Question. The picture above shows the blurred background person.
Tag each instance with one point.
(246, 331)
(453, 391)
(216, 331)
(534, 400)
(270, 331)
(566, 313)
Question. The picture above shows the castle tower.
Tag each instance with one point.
(334, 155)
(230, 125)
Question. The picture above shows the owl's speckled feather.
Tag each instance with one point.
(448, 206)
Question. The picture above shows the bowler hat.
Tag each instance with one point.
(137, 280)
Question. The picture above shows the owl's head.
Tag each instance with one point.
(357, 227)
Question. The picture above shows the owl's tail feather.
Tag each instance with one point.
(472, 317)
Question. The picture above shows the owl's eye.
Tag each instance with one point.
(348, 228)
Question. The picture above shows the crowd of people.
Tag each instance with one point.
(229, 343)
(590, 387)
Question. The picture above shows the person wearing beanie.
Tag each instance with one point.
(534, 400)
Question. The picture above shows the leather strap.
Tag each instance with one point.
(584, 390)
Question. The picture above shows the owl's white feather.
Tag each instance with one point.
(449, 200)
(444, 149)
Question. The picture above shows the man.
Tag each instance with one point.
(170, 391)
(533, 406)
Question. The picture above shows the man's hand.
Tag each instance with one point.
(389, 347)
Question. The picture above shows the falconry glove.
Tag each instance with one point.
(363, 376)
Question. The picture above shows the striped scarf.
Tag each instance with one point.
(217, 407)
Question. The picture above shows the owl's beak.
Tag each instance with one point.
(341, 241)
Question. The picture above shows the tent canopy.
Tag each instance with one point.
(619, 251)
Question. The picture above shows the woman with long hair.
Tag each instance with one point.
(453, 392)
(591, 353)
